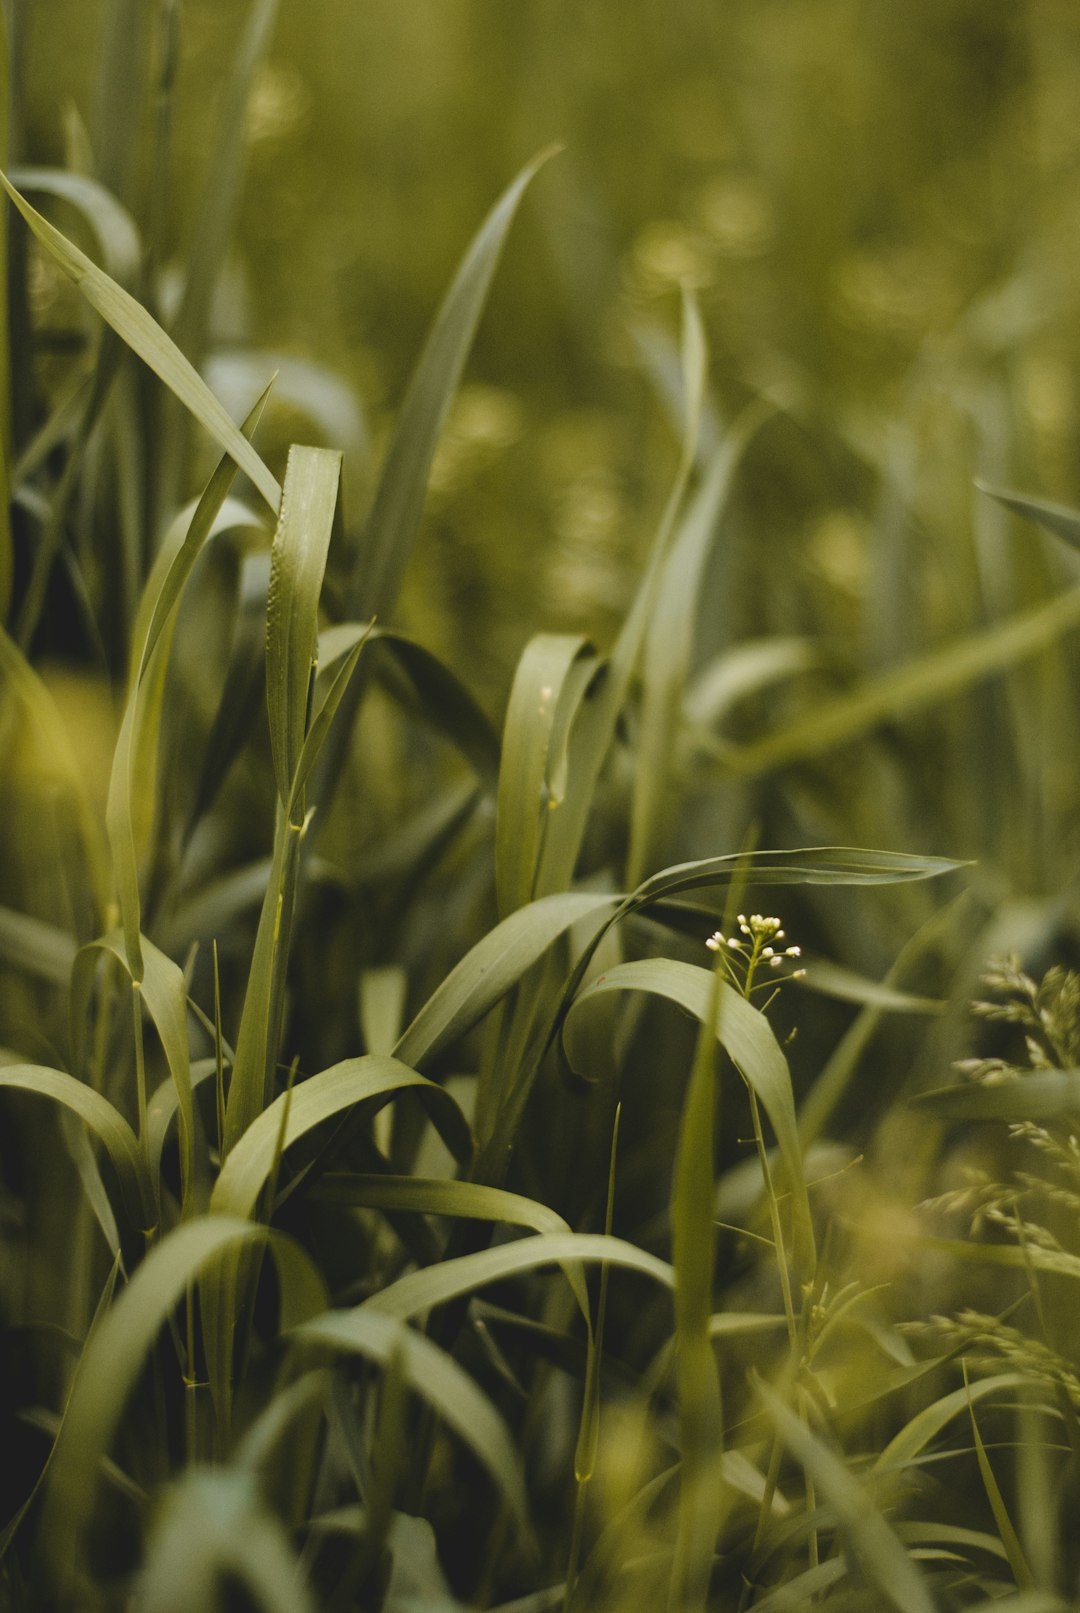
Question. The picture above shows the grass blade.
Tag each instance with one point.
(896, 694)
(107, 1125)
(543, 685)
(144, 336)
(872, 1544)
(748, 1039)
(438, 1378)
(693, 1235)
(395, 514)
(487, 972)
(301, 542)
(319, 1098)
(116, 1354)
(436, 1285)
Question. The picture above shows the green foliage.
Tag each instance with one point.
(589, 1283)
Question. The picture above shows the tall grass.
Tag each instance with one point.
(405, 1206)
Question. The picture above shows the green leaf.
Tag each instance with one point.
(209, 234)
(301, 542)
(116, 1354)
(39, 948)
(898, 693)
(1056, 518)
(589, 742)
(668, 647)
(1009, 1538)
(310, 1102)
(925, 1426)
(547, 685)
(436, 1285)
(140, 726)
(145, 337)
(434, 1375)
(693, 1236)
(395, 514)
(489, 970)
(1040, 1095)
(831, 980)
(871, 1543)
(106, 1124)
(212, 1523)
(112, 224)
(748, 1038)
(420, 680)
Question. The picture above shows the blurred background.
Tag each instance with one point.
(876, 205)
(878, 211)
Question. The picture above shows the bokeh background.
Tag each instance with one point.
(877, 205)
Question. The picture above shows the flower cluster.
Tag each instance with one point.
(754, 947)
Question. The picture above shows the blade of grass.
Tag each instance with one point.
(320, 1097)
(693, 1235)
(898, 693)
(1009, 1538)
(395, 513)
(107, 1125)
(116, 1354)
(142, 712)
(668, 645)
(144, 336)
(436, 1285)
(438, 1378)
(872, 1544)
(748, 1038)
(301, 543)
(542, 681)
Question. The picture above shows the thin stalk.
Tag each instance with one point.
(140, 1067)
(774, 1217)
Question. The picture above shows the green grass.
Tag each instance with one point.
(403, 1206)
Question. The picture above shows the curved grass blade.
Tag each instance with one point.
(141, 721)
(116, 1354)
(847, 986)
(747, 1037)
(1010, 1540)
(743, 670)
(112, 224)
(163, 989)
(543, 686)
(869, 1540)
(434, 1375)
(925, 1426)
(210, 233)
(1056, 518)
(701, 1422)
(141, 332)
(418, 678)
(212, 1524)
(1040, 1095)
(106, 1124)
(487, 972)
(301, 542)
(35, 946)
(668, 645)
(898, 693)
(322, 1096)
(436, 1285)
(395, 514)
(594, 729)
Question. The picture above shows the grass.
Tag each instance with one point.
(424, 1186)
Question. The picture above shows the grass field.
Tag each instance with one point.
(539, 1061)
